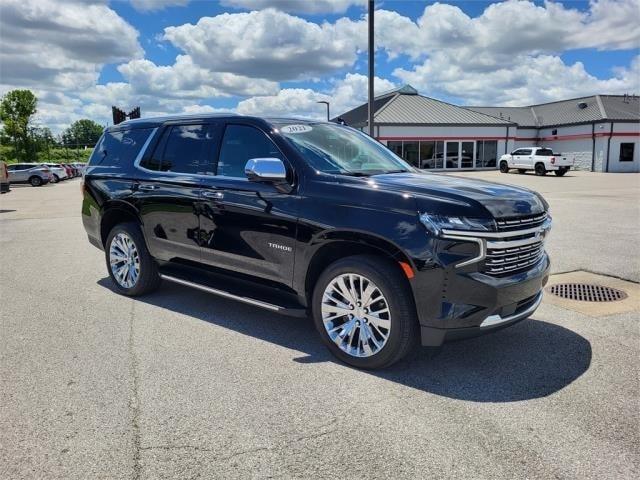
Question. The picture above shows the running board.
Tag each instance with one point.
(208, 285)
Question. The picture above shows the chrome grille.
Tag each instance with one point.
(500, 261)
(518, 245)
(510, 224)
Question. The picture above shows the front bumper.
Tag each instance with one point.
(475, 282)
(473, 303)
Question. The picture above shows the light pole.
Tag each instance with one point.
(327, 104)
(371, 69)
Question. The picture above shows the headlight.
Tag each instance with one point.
(436, 223)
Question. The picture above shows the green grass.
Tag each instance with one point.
(54, 155)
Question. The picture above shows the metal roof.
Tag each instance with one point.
(405, 106)
(523, 116)
(567, 112)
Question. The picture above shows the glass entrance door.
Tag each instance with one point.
(452, 155)
(467, 155)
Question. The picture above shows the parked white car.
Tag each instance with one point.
(539, 159)
(58, 171)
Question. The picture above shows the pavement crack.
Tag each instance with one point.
(249, 451)
(134, 401)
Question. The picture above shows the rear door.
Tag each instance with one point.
(247, 227)
(168, 189)
(20, 173)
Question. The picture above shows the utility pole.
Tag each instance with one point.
(371, 69)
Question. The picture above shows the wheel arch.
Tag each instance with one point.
(341, 244)
(114, 213)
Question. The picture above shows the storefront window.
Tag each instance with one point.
(487, 153)
(427, 151)
(410, 152)
(396, 147)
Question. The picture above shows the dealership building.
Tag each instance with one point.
(601, 132)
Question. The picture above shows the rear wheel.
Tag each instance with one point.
(560, 173)
(56, 178)
(540, 170)
(522, 171)
(504, 167)
(35, 181)
(131, 268)
(364, 311)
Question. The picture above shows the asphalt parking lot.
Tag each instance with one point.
(181, 384)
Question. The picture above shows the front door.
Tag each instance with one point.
(247, 227)
(168, 189)
(467, 154)
(452, 155)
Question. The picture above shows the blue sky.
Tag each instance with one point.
(282, 56)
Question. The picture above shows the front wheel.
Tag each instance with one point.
(131, 268)
(504, 167)
(364, 311)
(560, 173)
(540, 170)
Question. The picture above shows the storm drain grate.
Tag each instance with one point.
(586, 292)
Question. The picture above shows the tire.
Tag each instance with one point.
(504, 167)
(560, 173)
(148, 278)
(540, 170)
(56, 178)
(522, 171)
(386, 279)
(35, 181)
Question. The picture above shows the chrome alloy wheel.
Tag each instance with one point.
(356, 315)
(124, 260)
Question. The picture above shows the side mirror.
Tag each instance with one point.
(265, 170)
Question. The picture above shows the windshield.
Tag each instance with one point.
(341, 150)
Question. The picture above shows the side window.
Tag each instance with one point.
(11, 168)
(626, 152)
(525, 151)
(545, 152)
(240, 144)
(119, 147)
(517, 152)
(186, 149)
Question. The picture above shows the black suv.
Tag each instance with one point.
(297, 216)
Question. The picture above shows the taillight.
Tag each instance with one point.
(6, 172)
(553, 160)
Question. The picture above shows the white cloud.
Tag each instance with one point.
(345, 94)
(153, 5)
(528, 80)
(510, 28)
(268, 44)
(61, 44)
(296, 6)
(509, 54)
(186, 80)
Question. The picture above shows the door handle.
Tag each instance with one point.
(148, 187)
(213, 194)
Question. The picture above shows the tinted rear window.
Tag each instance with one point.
(185, 149)
(119, 147)
(545, 152)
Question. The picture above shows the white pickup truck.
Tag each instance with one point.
(539, 159)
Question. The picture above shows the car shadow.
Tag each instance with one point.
(529, 360)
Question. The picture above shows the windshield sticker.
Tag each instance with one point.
(296, 129)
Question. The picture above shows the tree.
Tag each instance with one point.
(16, 109)
(82, 132)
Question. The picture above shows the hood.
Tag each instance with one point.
(499, 200)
